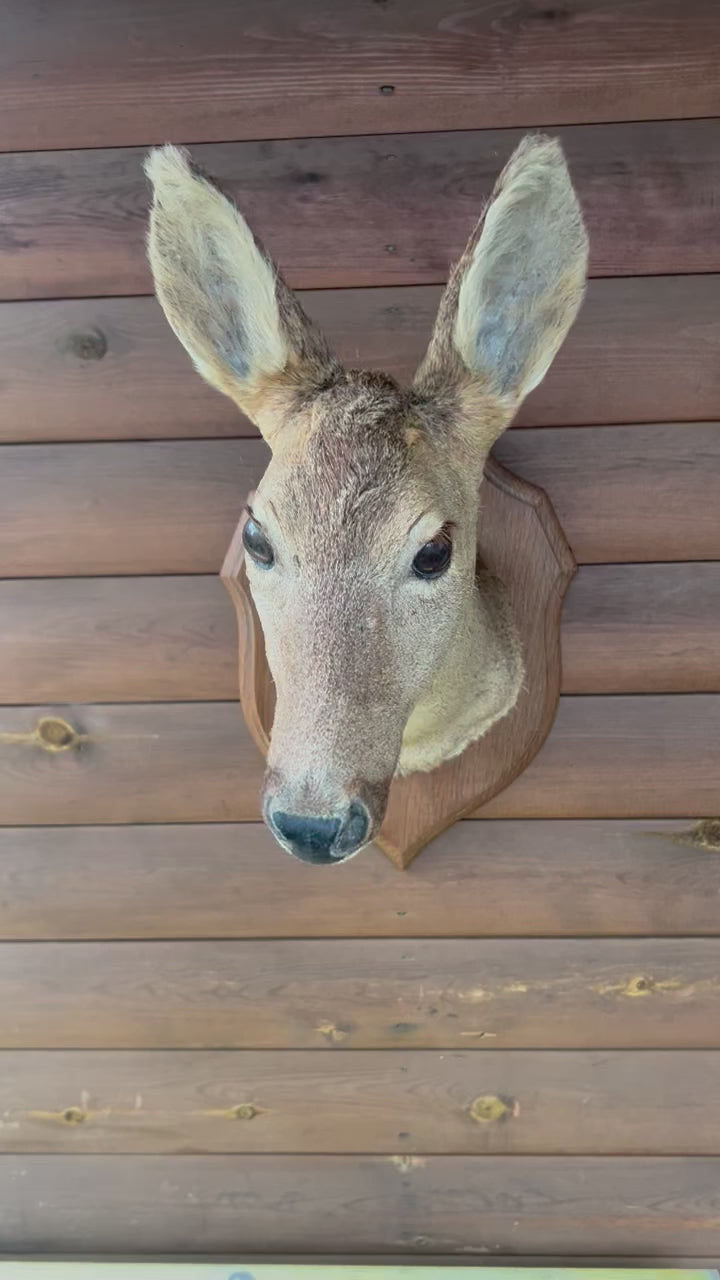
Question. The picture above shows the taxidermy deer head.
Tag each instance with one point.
(388, 654)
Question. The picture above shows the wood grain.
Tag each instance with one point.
(493, 1260)
(616, 489)
(642, 350)
(176, 1008)
(123, 508)
(650, 993)
(362, 211)
(176, 761)
(426, 1261)
(469, 1103)
(626, 748)
(626, 629)
(360, 1204)
(75, 75)
(489, 879)
(116, 640)
(606, 757)
(622, 494)
(649, 628)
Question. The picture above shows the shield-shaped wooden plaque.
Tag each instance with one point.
(520, 540)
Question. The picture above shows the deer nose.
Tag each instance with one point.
(322, 840)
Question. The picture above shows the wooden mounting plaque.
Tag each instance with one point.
(520, 540)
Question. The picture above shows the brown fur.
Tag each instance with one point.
(376, 670)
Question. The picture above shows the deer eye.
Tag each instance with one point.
(257, 545)
(434, 557)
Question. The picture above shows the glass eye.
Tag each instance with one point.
(257, 545)
(434, 557)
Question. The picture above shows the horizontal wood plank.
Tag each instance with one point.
(336, 995)
(545, 1260)
(643, 349)
(626, 629)
(489, 879)
(620, 752)
(615, 489)
(117, 640)
(73, 74)
(478, 1262)
(294, 1204)
(642, 629)
(362, 211)
(623, 494)
(463, 1103)
(606, 757)
(124, 508)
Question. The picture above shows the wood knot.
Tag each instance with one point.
(703, 835)
(55, 734)
(244, 1111)
(332, 1033)
(489, 1108)
(552, 15)
(407, 1163)
(640, 986)
(73, 1115)
(85, 344)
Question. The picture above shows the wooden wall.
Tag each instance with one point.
(513, 1049)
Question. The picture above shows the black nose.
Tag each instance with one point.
(322, 840)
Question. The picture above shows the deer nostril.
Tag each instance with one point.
(308, 838)
(354, 831)
(321, 840)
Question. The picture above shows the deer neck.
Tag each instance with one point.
(477, 685)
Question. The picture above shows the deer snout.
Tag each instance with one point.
(320, 840)
(330, 767)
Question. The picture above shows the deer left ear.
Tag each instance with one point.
(515, 292)
(244, 330)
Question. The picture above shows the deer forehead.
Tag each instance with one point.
(356, 471)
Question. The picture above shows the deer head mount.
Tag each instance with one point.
(390, 648)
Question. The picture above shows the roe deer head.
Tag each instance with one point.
(389, 654)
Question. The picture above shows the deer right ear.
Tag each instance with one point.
(514, 293)
(244, 330)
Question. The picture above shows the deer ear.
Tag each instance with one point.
(516, 290)
(244, 330)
